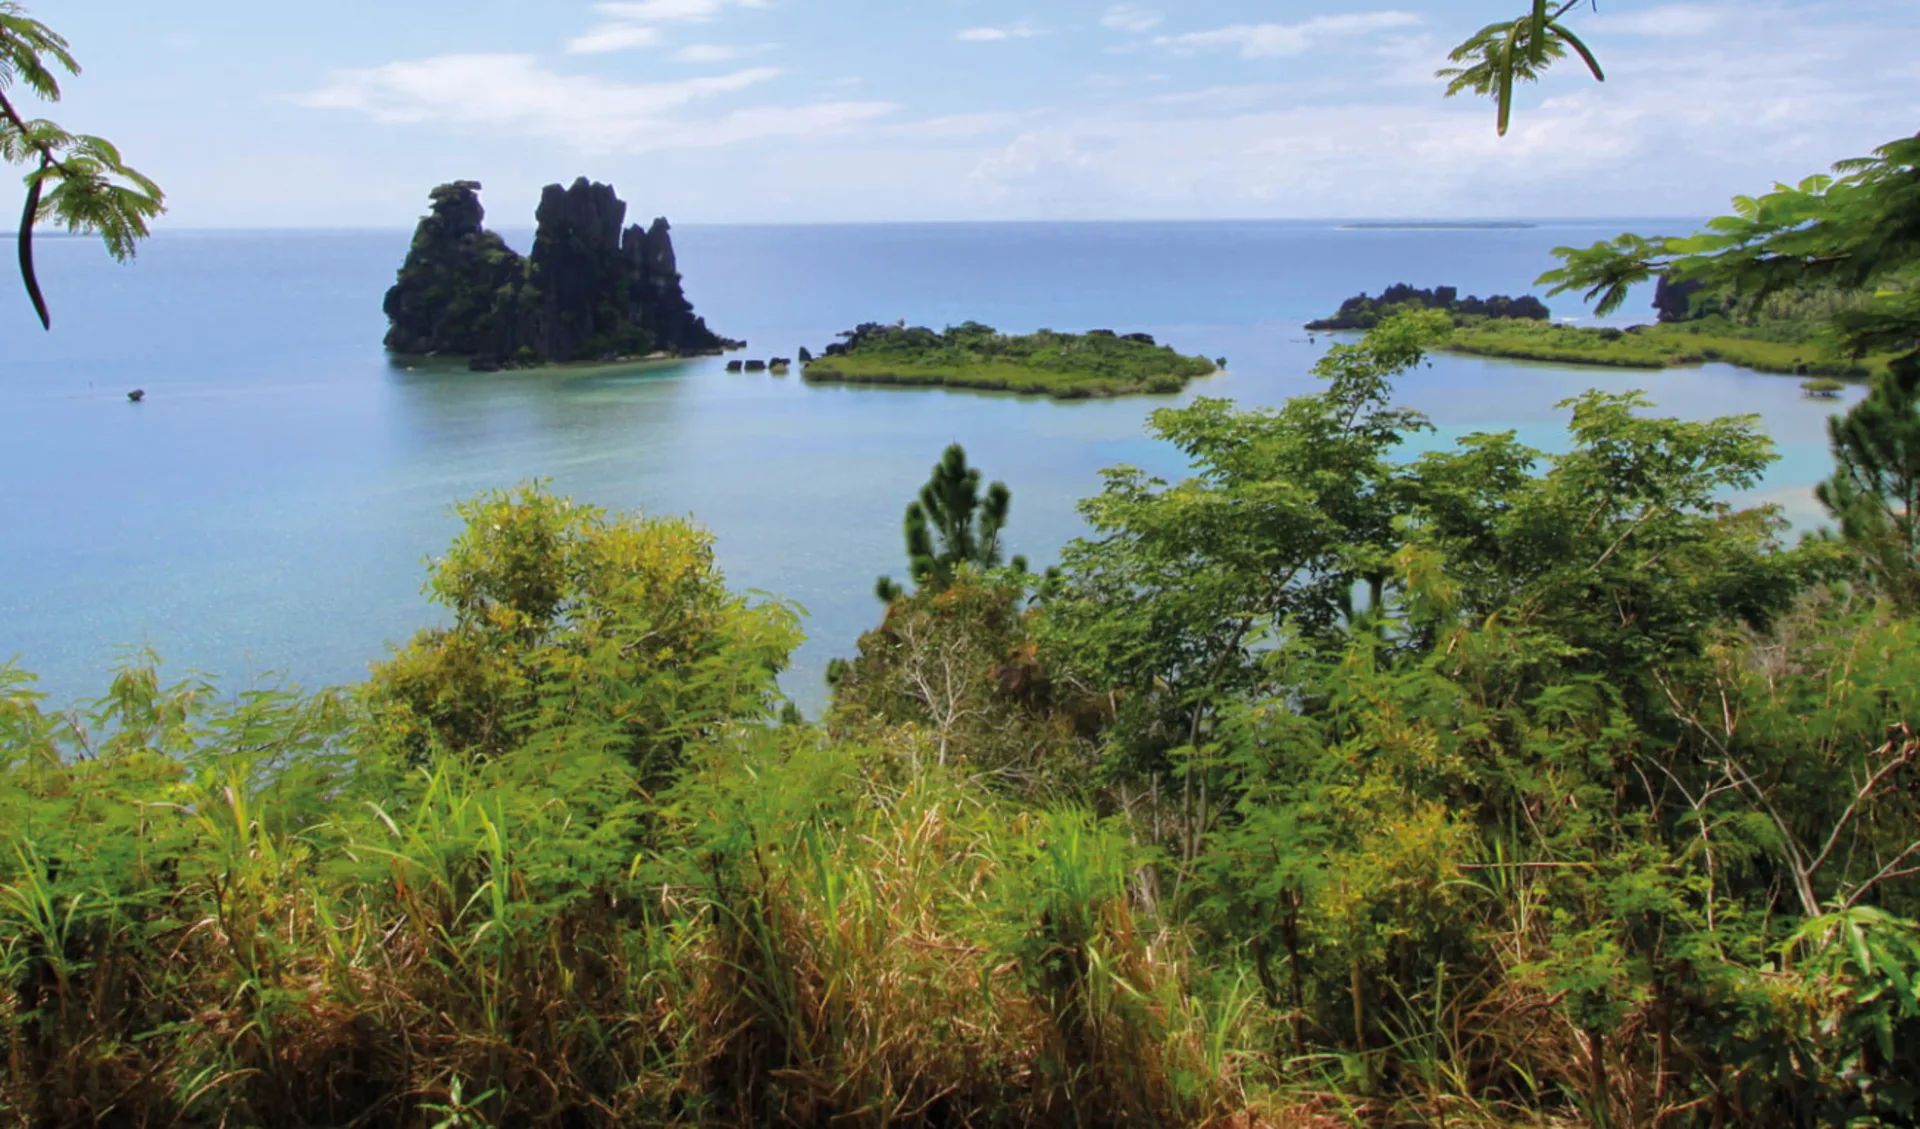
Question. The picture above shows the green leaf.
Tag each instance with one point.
(1586, 55)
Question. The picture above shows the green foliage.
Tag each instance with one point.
(575, 631)
(74, 180)
(1500, 56)
(955, 676)
(1064, 366)
(1485, 787)
(1771, 347)
(1875, 490)
(1290, 510)
(952, 525)
(1853, 236)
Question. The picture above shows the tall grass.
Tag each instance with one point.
(196, 930)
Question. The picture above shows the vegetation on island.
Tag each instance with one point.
(1781, 333)
(1762, 348)
(1064, 366)
(1363, 311)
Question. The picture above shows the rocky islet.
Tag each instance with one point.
(590, 290)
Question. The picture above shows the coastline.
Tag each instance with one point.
(419, 362)
(998, 378)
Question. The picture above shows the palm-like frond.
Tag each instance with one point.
(27, 46)
(1500, 56)
(77, 181)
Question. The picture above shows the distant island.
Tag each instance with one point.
(1696, 326)
(1364, 312)
(1437, 225)
(1065, 366)
(588, 291)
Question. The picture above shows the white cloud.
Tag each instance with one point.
(1775, 102)
(1131, 17)
(1022, 30)
(513, 94)
(671, 11)
(1259, 41)
(630, 23)
(1663, 22)
(719, 52)
(613, 37)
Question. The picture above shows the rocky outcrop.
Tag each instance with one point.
(1364, 312)
(1674, 299)
(590, 290)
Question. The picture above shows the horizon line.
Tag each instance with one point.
(1461, 221)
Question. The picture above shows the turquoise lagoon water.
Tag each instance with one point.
(266, 511)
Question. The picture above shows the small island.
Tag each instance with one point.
(1695, 327)
(588, 292)
(1697, 324)
(1065, 366)
(1363, 311)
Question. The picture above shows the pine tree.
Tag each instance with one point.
(1875, 492)
(951, 525)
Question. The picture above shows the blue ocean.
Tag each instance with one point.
(265, 514)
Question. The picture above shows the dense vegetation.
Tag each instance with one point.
(1485, 787)
(1783, 348)
(1364, 312)
(1062, 365)
(1324, 786)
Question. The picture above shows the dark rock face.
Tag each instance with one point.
(588, 291)
(1674, 300)
(456, 275)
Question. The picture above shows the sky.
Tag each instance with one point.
(265, 113)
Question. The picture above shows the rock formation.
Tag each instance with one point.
(1364, 312)
(1674, 299)
(589, 290)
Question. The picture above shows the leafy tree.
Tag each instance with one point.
(74, 180)
(1855, 233)
(1183, 587)
(575, 631)
(951, 525)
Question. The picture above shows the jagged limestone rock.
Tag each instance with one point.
(589, 290)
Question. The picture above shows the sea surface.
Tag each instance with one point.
(266, 513)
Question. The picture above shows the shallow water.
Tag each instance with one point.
(269, 506)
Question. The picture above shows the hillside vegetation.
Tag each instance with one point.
(1322, 787)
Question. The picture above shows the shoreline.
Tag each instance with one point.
(418, 362)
